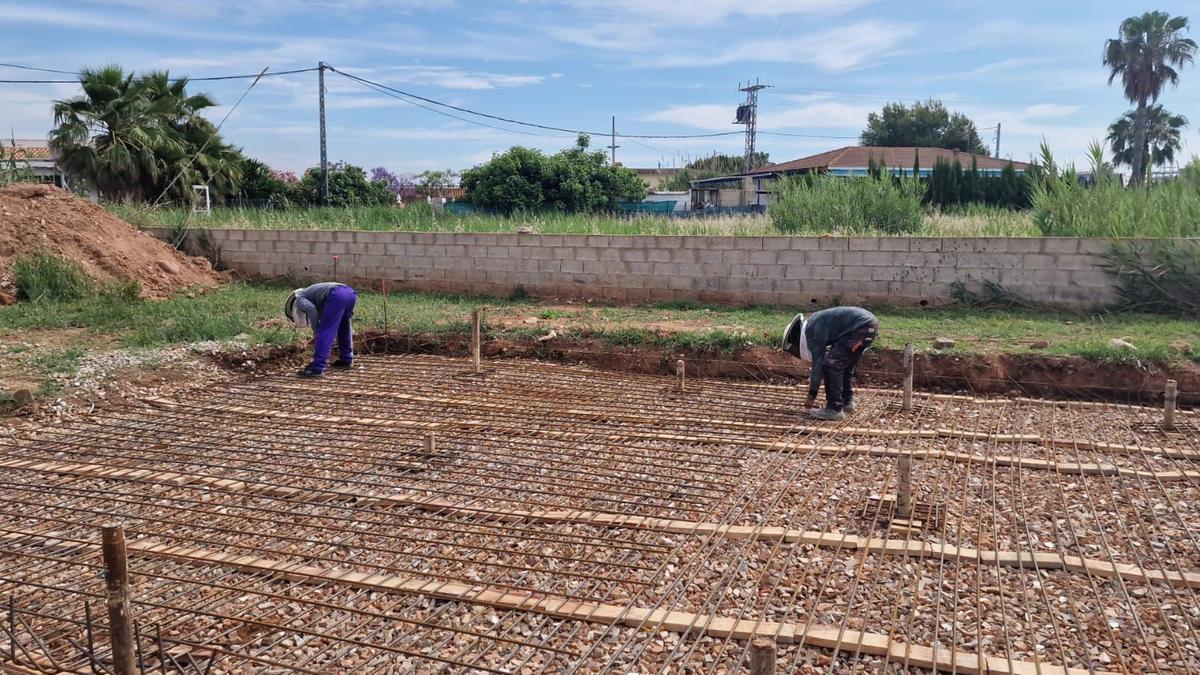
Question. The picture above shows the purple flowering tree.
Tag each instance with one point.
(401, 185)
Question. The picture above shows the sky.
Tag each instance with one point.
(661, 67)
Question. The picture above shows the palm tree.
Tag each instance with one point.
(1163, 137)
(1146, 57)
(142, 137)
(110, 135)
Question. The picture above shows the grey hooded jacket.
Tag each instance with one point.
(824, 329)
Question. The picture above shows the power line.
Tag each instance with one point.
(214, 78)
(519, 122)
(41, 70)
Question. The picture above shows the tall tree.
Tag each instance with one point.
(135, 137)
(1147, 56)
(924, 124)
(1162, 139)
(712, 166)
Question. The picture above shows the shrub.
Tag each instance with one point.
(1065, 207)
(1156, 276)
(45, 276)
(826, 204)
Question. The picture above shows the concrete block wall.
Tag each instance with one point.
(791, 271)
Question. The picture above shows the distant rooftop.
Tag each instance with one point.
(858, 157)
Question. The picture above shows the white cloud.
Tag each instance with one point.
(106, 21)
(714, 11)
(450, 77)
(837, 49)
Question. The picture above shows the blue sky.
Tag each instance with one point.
(660, 66)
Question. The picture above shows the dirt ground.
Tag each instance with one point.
(43, 217)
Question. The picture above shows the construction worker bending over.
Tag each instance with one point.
(833, 340)
(327, 308)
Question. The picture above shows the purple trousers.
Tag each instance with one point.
(334, 321)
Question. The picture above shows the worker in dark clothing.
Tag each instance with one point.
(327, 308)
(833, 340)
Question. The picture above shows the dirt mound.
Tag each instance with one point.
(36, 217)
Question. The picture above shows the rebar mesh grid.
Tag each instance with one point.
(410, 516)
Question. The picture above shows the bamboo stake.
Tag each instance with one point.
(908, 376)
(762, 656)
(904, 486)
(1169, 405)
(476, 321)
(116, 583)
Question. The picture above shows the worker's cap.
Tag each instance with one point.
(791, 335)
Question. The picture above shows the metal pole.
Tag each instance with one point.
(1169, 405)
(680, 375)
(116, 584)
(324, 156)
(997, 140)
(908, 376)
(613, 143)
(904, 486)
(762, 656)
(476, 320)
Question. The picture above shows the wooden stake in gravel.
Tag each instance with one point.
(908, 376)
(904, 486)
(116, 583)
(476, 321)
(1169, 405)
(680, 375)
(762, 657)
(430, 443)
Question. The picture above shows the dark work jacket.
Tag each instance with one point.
(827, 327)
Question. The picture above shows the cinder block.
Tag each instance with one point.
(1037, 261)
(862, 243)
(749, 243)
(805, 243)
(664, 268)
(832, 244)
(598, 267)
(818, 258)
(886, 274)
(689, 269)
(563, 253)
(709, 255)
(777, 243)
(684, 255)
(742, 271)
(487, 239)
(764, 257)
(1060, 245)
(572, 266)
(638, 268)
(674, 241)
(735, 257)
(1023, 245)
(610, 254)
(633, 254)
(1076, 262)
(598, 240)
(893, 243)
(1092, 278)
(856, 273)
(878, 258)
(925, 244)
(658, 255)
(1097, 247)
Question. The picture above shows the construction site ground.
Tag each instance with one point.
(411, 515)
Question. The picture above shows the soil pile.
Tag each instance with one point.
(45, 217)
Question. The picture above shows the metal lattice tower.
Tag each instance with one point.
(747, 114)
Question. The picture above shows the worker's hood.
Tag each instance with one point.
(292, 313)
(792, 335)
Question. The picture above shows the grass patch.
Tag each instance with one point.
(44, 276)
(256, 310)
(972, 221)
(59, 361)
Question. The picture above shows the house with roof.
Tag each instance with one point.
(755, 188)
(33, 155)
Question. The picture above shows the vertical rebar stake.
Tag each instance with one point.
(1169, 405)
(904, 486)
(908, 376)
(476, 321)
(762, 656)
(430, 444)
(680, 375)
(386, 332)
(116, 583)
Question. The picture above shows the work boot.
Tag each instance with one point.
(848, 408)
(307, 373)
(827, 415)
(344, 365)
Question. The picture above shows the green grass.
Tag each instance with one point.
(42, 275)
(974, 221)
(255, 310)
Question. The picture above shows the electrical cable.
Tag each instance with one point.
(214, 78)
(527, 124)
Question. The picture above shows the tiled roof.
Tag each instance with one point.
(25, 149)
(859, 157)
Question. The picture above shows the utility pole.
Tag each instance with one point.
(747, 114)
(324, 156)
(997, 140)
(613, 143)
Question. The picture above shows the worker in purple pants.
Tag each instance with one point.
(327, 308)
